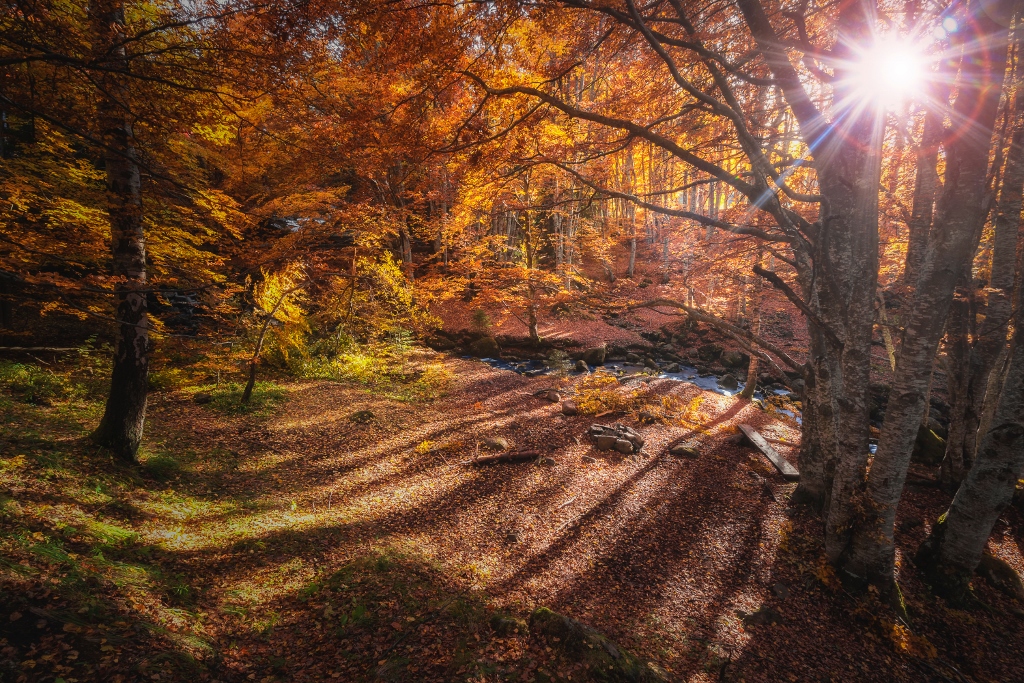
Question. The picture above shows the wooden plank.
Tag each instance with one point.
(787, 471)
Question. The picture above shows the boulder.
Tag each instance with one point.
(569, 408)
(617, 436)
(929, 447)
(709, 352)
(649, 363)
(624, 446)
(672, 367)
(506, 625)
(633, 358)
(729, 382)
(684, 451)
(362, 416)
(439, 343)
(595, 652)
(595, 355)
(581, 366)
(735, 359)
(485, 347)
(498, 443)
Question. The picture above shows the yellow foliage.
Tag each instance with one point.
(600, 392)
(908, 643)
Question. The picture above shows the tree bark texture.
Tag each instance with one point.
(845, 281)
(124, 417)
(954, 549)
(926, 184)
(960, 214)
(974, 359)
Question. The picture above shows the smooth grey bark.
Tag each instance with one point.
(124, 416)
(959, 214)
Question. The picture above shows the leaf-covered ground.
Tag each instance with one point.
(293, 542)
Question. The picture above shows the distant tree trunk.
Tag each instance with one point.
(632, 255)
(124, 417)
(926, 184)
(254, 361)
(953, 241)
(755, 314)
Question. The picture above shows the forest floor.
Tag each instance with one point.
(306, 539)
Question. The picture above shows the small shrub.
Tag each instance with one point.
(33, 384)
(600, 392)
(227, 398)
(481, 321)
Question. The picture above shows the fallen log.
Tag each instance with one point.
(788, 472)
(521, 456)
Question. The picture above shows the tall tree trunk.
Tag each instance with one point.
(926, 184)
(845, 280)
(972, 363)
(953, 240)
(124, 418)
(952, 552)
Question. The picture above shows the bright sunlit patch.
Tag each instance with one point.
(890, 72)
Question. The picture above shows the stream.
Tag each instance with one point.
(623, 370)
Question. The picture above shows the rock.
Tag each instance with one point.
(624, 446)
(647, 417)
(550, 462)
(512, 537)
(202, 398)
(780, 590)
(552, 396)
(929, 447)
(362, 416)
(485, 347)
(649, 363)
(765, 615)
(735, 359)
(672, 367)
(608, 437)
(633, 358)
(595, 355)
(729, 382)
(439, 343)
(569, 408)
(498, 443)
(581, 366)
(596, 652)
(684, 451)
(709, 352)
(588, 459)
(506, 625)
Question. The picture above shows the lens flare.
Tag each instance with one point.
(890, 72)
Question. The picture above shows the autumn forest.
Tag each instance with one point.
(511, 340)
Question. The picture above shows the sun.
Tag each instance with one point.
(890, 72)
